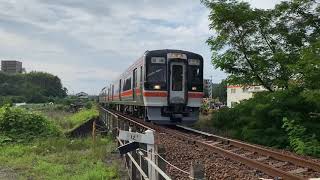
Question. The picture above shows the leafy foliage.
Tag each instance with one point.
(260, 119)
(34, 87)
(299, 140)
(19, 125)
(264, 46)
(220, 92)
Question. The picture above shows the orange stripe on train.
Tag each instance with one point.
(195, 94)
(127, 93)
(155, 93)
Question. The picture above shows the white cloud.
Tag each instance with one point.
(100, 38)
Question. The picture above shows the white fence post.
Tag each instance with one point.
(151, 153)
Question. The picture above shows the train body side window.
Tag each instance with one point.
(127, 84)
(141, 75)
(112, 91)
(120, 83)
(135, 80)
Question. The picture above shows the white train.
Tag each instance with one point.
(163, 86)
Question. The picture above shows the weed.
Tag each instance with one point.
(20, 125)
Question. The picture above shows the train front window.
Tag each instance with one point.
(195, 78)
(156, 75)
(177, 77)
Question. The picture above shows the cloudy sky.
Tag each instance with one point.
(88, 43)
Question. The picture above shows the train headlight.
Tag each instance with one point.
(194, 88)
(157, 87)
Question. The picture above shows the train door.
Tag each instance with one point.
(134, 85)
(177, 82)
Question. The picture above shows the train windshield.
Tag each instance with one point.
(156, 73)
(156, 76)
(195, 78)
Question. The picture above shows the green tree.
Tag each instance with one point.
(308, 68)
(34, 87)
(262, 46)
(277, 47)
(219, 91)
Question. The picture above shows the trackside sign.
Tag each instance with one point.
(147, 138)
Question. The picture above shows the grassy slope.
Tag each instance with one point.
(68, 121)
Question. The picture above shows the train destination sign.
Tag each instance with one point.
(146, 138)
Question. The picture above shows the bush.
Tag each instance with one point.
(299, 141)
(88, 105)
(19, 125)
(260, 119)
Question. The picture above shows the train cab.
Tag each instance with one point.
(174, 81)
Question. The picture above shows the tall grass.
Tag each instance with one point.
(61, 158)
(82, 116)
(68, 121)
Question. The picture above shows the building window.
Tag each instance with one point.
(233, 90)
(245, 90)
(256, 88)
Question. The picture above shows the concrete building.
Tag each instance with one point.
(235, 94)
(11, 66)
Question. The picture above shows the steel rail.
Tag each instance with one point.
(249, 162)
(277, 155)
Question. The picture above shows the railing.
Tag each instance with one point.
(143, 163)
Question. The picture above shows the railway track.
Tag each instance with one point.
(273, 163)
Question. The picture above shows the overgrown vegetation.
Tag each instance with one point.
(68, 121)
(19, 125)
(61, 158)
(34, 148)
(280, 119)
(299, 140)
(33, 87)
(278, 49)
